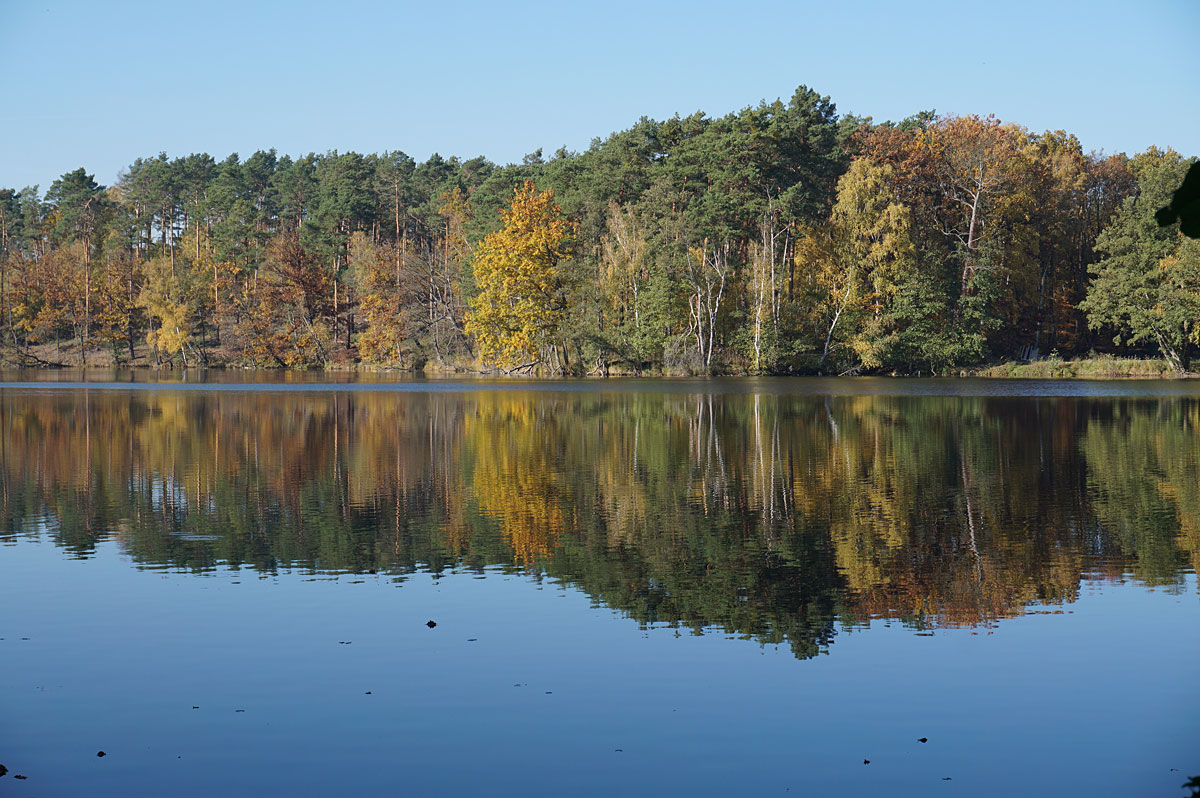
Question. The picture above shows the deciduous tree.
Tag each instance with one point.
(516, 314)
(1147, 287)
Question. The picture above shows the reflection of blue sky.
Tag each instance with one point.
(1100, 701)
(103, 83)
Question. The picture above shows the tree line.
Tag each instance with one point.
(782, 238)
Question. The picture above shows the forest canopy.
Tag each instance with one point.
(782, 238)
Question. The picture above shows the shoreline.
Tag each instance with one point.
(1050, 369)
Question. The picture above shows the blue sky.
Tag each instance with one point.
(99, 84)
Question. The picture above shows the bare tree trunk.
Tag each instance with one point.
(969, 264)
(87, 299)
(398, 243)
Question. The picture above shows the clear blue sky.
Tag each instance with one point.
(97, 84)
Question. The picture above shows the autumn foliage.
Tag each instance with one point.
(516, 314)
(779, 239)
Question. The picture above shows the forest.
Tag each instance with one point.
(780, 239)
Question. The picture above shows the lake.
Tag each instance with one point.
(711, 587)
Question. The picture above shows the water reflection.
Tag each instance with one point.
(766, 515)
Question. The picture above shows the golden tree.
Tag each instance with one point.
(379, 297)
(856, 260)
(517, 312)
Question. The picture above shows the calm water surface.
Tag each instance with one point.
(655, 587)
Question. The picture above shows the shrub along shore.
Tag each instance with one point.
(1097, 367)
(1091, 368)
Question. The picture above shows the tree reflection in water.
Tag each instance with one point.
(770, 516)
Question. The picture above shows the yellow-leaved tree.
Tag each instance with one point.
(170, 298)
(856, 261)
(380, 300)
(516, 314)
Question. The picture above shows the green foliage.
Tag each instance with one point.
(1096, 368)
(79, 204)
(855, 265)
(779, 238)
(1147, 287)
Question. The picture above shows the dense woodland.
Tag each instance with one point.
(779, 239)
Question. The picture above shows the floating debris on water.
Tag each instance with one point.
(431, 624)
